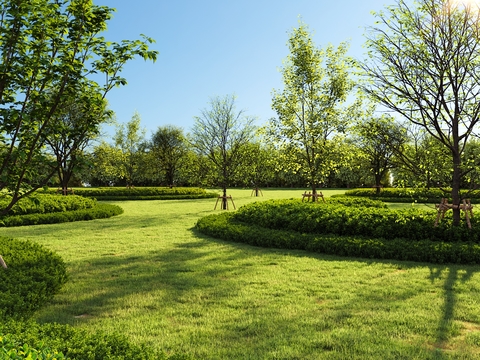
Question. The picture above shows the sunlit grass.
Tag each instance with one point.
(148, 274)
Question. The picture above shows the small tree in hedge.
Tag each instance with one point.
(221, 134)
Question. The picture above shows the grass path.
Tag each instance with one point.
(148, 274)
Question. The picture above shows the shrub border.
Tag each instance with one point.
(224, 227)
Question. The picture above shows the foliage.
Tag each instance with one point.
(142, 193)
(50, 50)
(38, 203)
(33, 275)
(28, 337)
(226, 226)
(220, 134)
(168, 148)
(99, 211)
(425, 65)
(309, 108)
(412, 195)
(128, 139)
(330, 218)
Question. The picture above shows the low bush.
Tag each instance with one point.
(339, 219)
(141, 193)
(54, 341)
(45, 203)
(419, 195)
(33, 275)
(225, 226)
(100, 211)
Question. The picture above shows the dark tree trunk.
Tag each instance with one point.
(456, 181)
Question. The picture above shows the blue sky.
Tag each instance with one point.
(213, 48)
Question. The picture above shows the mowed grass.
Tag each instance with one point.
(150, 275)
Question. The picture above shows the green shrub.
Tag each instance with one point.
(33, 275)
(420, 195)
(339, 219)
(141, 193)
(73, 343)
(226, 227)
(100, 211)
(45, 203)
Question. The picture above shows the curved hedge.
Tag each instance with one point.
(33, 275)
(100, 211)
(433, 195)
(47, 203)
(141, 193)
(337, 229)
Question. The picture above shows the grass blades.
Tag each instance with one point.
(149, 275)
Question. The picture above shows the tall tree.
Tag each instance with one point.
(425, 65)
(48, 50)
(129, 139)
(309, 108)
(220, 133)
(168, 147)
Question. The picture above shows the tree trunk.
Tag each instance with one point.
(224, 199)
(456, 180)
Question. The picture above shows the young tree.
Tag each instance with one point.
(168, 147)
(220, 133)
(72, 129)
(309, 109)
(48, 50)
(129, 139)
(380, 139)
(425, 65)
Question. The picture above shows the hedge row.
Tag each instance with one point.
(33, 275)
(46, 203)
(100, 211)
(140, 193)
(345, 220)
(411, 194)
(224, 226)
(55, 341)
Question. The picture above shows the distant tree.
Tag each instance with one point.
(425, 65)
(129, 139)
(48, 50)
(380, 139)
(168, 147)
(105, 165)
(72, 129)
(220, 134)
(309, 108)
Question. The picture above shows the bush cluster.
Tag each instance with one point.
(54, 341)
(344, 219)
(346, 231)
(100, 211)
(433, 195)
(45, 203)
(225, 227)
(33, 275)
(141, 193)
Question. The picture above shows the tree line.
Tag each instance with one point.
(408, 113)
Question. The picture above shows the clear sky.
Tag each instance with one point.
(213, 48)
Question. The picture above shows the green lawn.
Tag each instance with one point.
(148, 274)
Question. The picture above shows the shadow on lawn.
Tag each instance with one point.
(165, 277)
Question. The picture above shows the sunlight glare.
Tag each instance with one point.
(473, 4)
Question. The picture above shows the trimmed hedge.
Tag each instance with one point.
(33, 275)
(55, 341)
(339, 219)
(226, 227)
(46, 203)
(100, 211)
(433, 195)
(141, 193)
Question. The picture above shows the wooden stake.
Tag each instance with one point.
(2, 262)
